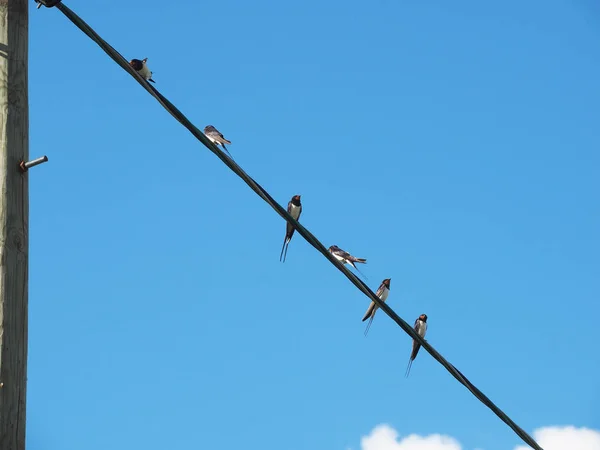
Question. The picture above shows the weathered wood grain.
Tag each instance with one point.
(14, 221)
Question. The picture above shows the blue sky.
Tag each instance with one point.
(452, 144)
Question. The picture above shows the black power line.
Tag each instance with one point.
(307, 235)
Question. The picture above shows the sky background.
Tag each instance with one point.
(455, 145)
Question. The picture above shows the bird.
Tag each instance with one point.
(345, 257)
(382, 292)
(216, 137)
(294, 209)
(141, 67)
(420, 328)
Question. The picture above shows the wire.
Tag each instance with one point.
(307, 235)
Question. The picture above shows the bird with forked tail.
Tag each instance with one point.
(294, 209)
(382, 292)
(346, 258)
(420, 328)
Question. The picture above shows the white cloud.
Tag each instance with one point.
(565, 438)
(384, 437)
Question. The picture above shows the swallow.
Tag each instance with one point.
(294, 209)
(216, 137)
(382, 293)
(420, 328)
(141, 67)
(345, 257)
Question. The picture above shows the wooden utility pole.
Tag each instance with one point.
(14, 221)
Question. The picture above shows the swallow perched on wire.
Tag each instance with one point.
(420, 328)
(382, 293)
(216, 137)
(140, 66)
(294, 209)
(346, 258)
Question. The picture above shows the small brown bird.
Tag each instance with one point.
(294, 209)
(216, 137)
(140, 66)
(382, 292)
(420, 328)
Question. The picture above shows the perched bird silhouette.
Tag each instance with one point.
(294, 209)
(140, 66)
(420, 328)
(346, 258)
(217, 137)
(382, 293)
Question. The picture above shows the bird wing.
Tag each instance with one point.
(416, 345)
(342, 254)
(289, 228)
(222, 138)
(370, 311)
(415, 349)
(215, 135)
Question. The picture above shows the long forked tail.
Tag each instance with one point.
(408, 367)
(225, 148)
(357, 269)
(369, 324)
(285, 246)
